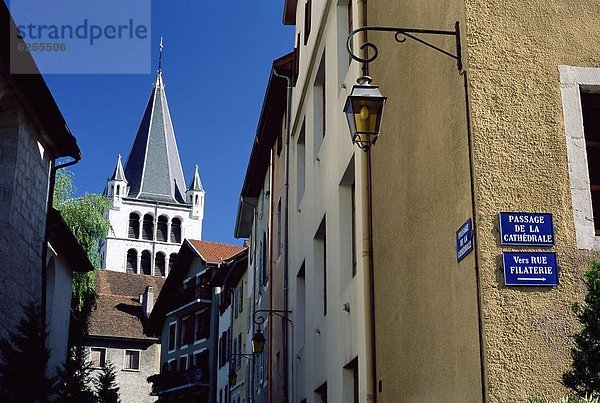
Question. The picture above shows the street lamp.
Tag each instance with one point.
(258, 342)
(232, 377)
(232, 373)
(364, 111)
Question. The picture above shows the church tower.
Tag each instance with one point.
(152, 211)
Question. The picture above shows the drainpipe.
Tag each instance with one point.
(367, 243)
(51, 185)
(286, 308)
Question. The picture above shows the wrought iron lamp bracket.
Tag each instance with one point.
(259, 316)
(246, 356)
(401, 35)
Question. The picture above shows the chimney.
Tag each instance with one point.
(148, 302)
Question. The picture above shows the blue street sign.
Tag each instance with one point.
(532, 229)
(464, 240)
(530, 268)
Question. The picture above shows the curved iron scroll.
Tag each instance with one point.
(401, 35)
(260, 319)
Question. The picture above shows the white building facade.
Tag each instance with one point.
(152, 210)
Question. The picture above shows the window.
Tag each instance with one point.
(344, 28)
(579, 89)
(134, 226)
(159, 264)
(265, 264)
(161, 229)
(320, 245)
(202, 326)
(132, 360)
(321, 393)
(224, 348)
(279, 243)
(148, 227)
(590, 108)
(98, 357)
(176, 230)
(301, 163)
(131, 261)
(347, 217)
(172, 336)
(307, 20)
(146, 262)
(172, 364)
(241, 297)
(183, 362)
(184, 331)
(351, 381)
(319, 115)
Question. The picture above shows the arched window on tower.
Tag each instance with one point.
(161, 229)
(146, 262)
(176, 230)
(148, 227)
(172, 260)
(131, 261)
(159, 264)
(134, 226)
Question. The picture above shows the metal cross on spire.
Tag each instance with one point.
(160, 55)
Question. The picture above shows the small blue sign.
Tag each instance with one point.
(531, 229)
(530, 269)
(464, 240)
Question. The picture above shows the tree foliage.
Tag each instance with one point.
(24, 361)
(584, 376)
(85, 217)
(107, 390)
(75, 379)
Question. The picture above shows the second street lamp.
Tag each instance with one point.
(258, 342)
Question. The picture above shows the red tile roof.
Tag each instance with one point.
(214, 252)
(118, 311)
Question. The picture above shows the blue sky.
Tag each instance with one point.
(216, 62)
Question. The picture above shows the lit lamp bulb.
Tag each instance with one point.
(362, 122)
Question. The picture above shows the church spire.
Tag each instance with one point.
(196, 184)
(118, 174)
(153, 167)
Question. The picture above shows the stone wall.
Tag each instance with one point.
(24, 171)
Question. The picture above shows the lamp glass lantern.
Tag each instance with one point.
(232, 377)
(364, 111)
(258, 342)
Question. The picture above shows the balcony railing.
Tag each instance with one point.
(193, 293)
(173, 381)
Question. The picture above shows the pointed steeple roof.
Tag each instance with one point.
(118, 174)
(153, 167)
(196, 183)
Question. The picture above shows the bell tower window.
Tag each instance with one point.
(148, 227)
(146, 262)
(134, 226)
(161, 229)
(176, 230)
(159, 264)
(131, 261)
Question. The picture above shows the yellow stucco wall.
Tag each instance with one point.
(514, 49)
(426, 302)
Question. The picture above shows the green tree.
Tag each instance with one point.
(75, 379)
(23, 363)
(107, 390)
(85, 217)
(584, 376)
